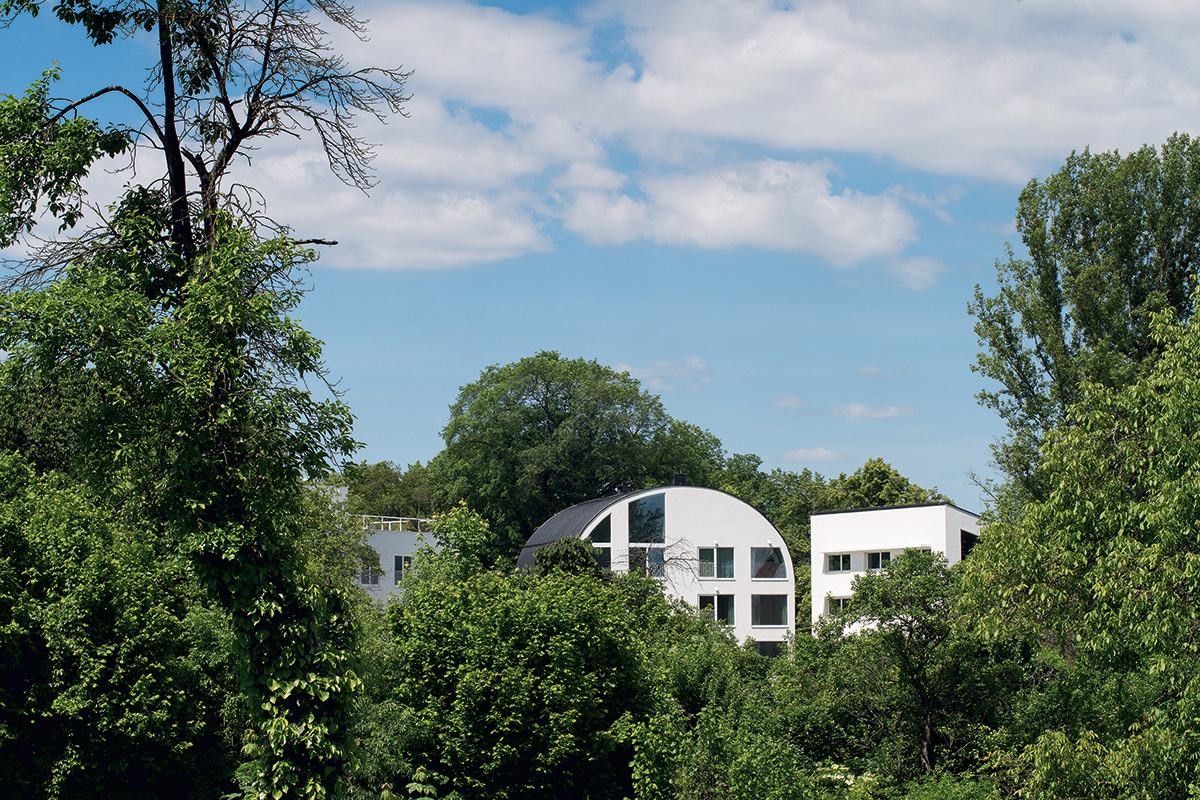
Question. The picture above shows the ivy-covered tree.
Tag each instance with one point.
(168, 320)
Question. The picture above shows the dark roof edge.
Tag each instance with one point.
(885, 508)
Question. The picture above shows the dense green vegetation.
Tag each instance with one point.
(177, 617)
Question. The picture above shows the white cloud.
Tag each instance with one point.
(665, 376)
(520, 113)
(813, 454)
(917, 273)
(861, 411)
(777, 205)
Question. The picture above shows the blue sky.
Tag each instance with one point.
(773, 214)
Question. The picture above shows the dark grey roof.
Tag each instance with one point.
(568, 522)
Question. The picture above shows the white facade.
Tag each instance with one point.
(396, 540)
(847, 543)
(710, 549)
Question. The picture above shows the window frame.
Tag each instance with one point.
(757, 610)
(844, 558)
(717, 601)
(780, 565)
(881, 557)
(405, 563)
(717, 561)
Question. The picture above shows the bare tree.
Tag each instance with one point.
(227, 75)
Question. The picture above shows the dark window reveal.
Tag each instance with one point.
(718, 606)
(768, 609)
(602, 533)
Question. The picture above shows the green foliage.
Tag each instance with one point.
(44, 157)
(876, 483)
(571, 554)
(1111, 241)
(531, 438)
(522, 687)
(114, 679)
(1107, 564)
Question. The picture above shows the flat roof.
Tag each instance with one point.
(886, 508)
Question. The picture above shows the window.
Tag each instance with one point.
(719, 607)
(768, 609)
(966, 542)
(400, 567)
(716, 562)
(767, 562)
(839, 603)
(769, 649)
(646, 519)
(369, 575)
(603, 556)
(877, 560)
(602, 533)
(839, 562)
(650, 561)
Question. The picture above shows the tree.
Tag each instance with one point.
(531, 438)
(374, 489)
(174, 313)
(875, 484)
(1105, 567)
(522, 687)
(1111, 240)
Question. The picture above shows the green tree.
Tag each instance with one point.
(531, 438)
(114, 677)
(874, 484)
(374, 489)
(1110, 241)
(956, 688)
(174, 312)
(520, 686)
(1105, 567)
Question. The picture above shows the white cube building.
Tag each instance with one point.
(396, 540)
(709, 548)
(848, 543)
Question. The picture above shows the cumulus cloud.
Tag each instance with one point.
(814, 454)
(665, 376)
(526, 128)
(861, 411)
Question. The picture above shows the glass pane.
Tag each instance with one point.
(656, 562)
(768, 609)
(646, 518)
(725, 608)
(602, 533)
(767, 562)
(725, 562)
(708, 567)
(637, 559)
(603, 556)
(708, 603)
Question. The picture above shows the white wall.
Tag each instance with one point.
(389, 544)
(935, 527)
(697, 517)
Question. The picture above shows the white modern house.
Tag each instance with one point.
(396, 540)
(709, 548)
(848, 543)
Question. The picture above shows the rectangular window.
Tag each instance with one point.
(769, 649)
(603, 557)
(877, 560)
(647, 517)
(400, 565)
(768, 609)
(719, 607)
(650, 561)
(369, 575)
(767, 562)
(716, 562)
(839, 603)
(839, 562)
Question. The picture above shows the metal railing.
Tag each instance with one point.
(413, 524)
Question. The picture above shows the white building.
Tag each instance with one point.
(709, 548)
(848, 543)
(396, 540)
